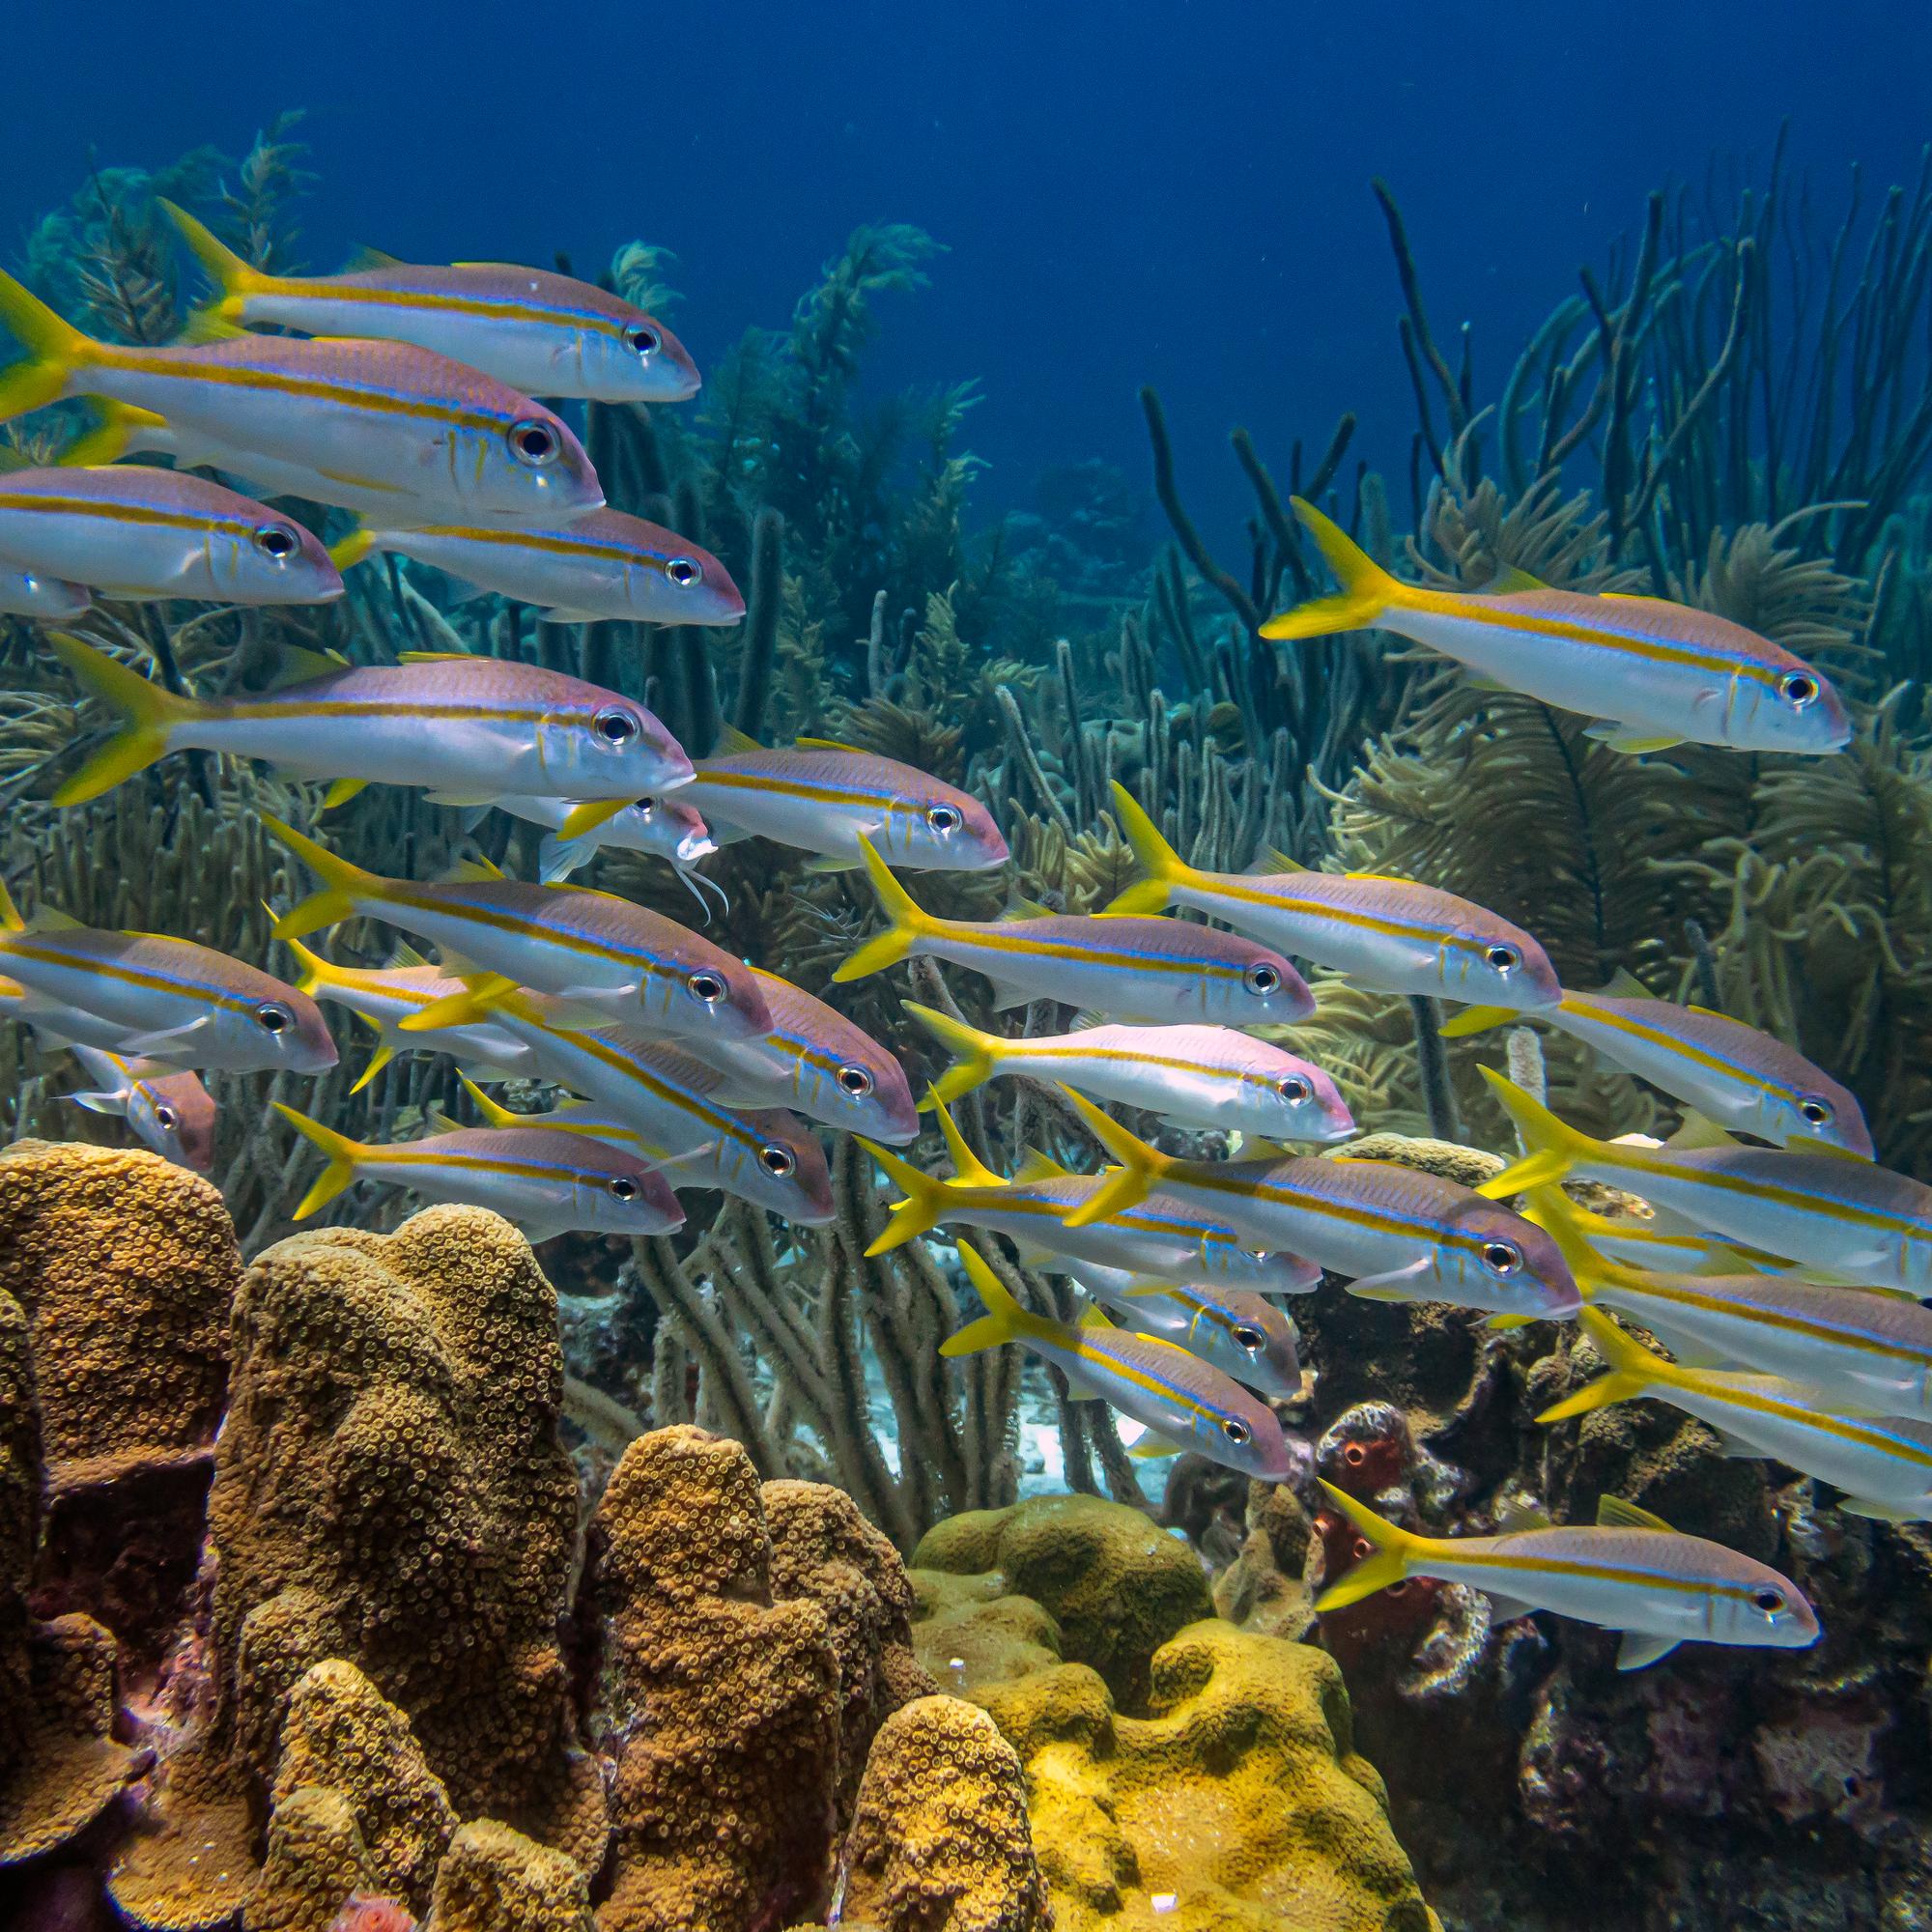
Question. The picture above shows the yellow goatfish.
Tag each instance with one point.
(1826, 1209)
(1882, 1462)
(1652, 672)
(1631, 1572)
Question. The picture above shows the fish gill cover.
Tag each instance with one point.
(723, 1563)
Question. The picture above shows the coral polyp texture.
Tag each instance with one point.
(1180, 1772)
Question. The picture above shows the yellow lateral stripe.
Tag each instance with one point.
(1023, 1049)
(1768, 1190)
(315, 389)
(1228, 885)
(551, 544)
(1600, 1573)
(811, 791)
(654, 1084)
(423, 1153)
(964, 933)
(504, 308)
(1677, 1294)
(1845, 1428)
(1090, 1350)
(19, 946)
(199, 522)
(1671, 1043)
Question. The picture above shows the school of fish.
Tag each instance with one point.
(1785, 1272)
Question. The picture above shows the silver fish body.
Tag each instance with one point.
(169, 1109)
(1241, 1333)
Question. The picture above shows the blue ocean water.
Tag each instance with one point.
(1131, 192)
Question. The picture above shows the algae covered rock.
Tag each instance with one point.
(1116, 1586)
(493, 1878)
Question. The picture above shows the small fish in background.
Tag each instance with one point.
(1631, 1572)
(1404, 1234)
(766, 1156)
(1155, 970)
(602, 566)
(660, 825)
(621, 961)
(151, 996)
(1192, 1077)
(547, 1183)
(384, 996)
(1183, 1399)
(1390, 934)
(1884, 1464)
(171, 1111)
(547, 333)
(1654, 674)
(384, 418)
(1734, 1074)
(470, 727)
(1235, 1330)
(828, 798)
(1161, 1239)
(26, 593)
(137, 533)
(817, 1061)
(1857, 1345)
(1859, 1221)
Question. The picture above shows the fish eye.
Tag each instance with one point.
(1295, 1090)
(1236, 1431)
(1250, 1339)
(1260, 977)
(681, 570)
(167, 1119)
(705, 986)
(623, 1187)
(1817, 1113)
(1504, 958)
(1501, 1256)
(617, 727)
(776, 1161)
(1798, 689)
(943, 817)
(642, 341)
(643, 806)
(276, 541)
(854, 1080)
(1256, 1254)
(1768, 1599)
(535, 442)
(271, 1018)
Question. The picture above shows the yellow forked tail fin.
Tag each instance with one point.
(342, 1154)
(1367, 591)
(474, 1000)
(55, 350)
(1004, 1320)
(121, 428)
(1477, 1019)
(1390, 1549)
(905, 923)
(234, 278)
(1553, 1147)
(1141, 1166)
(921, 1209)
(345, 552)
(1633, 1369)
(1157, 859)
(976, 1054)
(342, 885)
(150, 713)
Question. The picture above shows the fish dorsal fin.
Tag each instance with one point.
(1023, 908)
(443, 1124)
(1378, 879)
(967, 1166)
(362, 260)
(827, 745)
(48, 919)
(468, 871)
(1093, 1315)
(1255, 1148)
(403, 956)
(1698, 1133)
(520, 267)
(1614, 1513)
(1632, 597)
(1087, 1021)
(1624, 984)
(1509, 578)
(1639, 1649)
(1037, 1166)
(730, 741)
(434, 657)
(1519, 1514)
(294, 665)
(1274, 860)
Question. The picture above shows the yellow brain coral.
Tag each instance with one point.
(1220, 1792)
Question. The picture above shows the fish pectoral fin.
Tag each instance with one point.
(1631, 738)
(556, 615)
(99, 1103)
(162, 1037)
(826, 861)
(1153, 1446)
(1915, 1511)
(1080, 1389)
(342, 791)
(1735, 1447)
(1639, 1649)
(1006, 998)
(1402, 1283)
(1506, 1609)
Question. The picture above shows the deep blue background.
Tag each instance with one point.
(1131, 191)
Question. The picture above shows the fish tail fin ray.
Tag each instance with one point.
(55, 350)
(342, 884)
(149, 714)
(906, 923)
(1164, 866)
(1141, 1166)
(1633, 1369)
(342, 1153)
(1367, 591)
(234, 278)
(1550, 1146)
(918, 1213)
(1004, 1320)
(975, 1054)
(1390, 1548)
